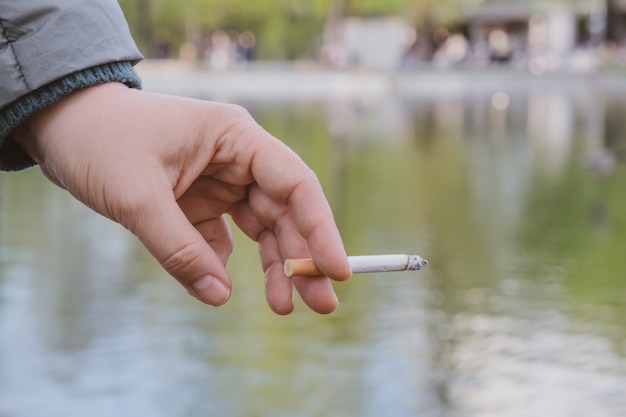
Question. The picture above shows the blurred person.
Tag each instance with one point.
(220, 55)
(500, 46)
(246, 42)
(167, 168)
(452, 52)
(162, 44)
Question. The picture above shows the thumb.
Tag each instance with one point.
(182, 251)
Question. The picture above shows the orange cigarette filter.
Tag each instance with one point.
(302, 267)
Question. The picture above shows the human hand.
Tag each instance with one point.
(169, 168)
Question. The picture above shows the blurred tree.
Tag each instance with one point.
(285, 29)
(375, 7)
(139, 18)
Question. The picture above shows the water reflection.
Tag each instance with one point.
(516, 198)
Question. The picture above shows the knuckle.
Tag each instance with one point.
(237, 114)
(182, 258)
(128, 208)
(238, 110)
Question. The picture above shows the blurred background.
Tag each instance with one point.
(487, 136)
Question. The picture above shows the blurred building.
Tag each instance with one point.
(372, 43)
(543, 36)
(540, 36)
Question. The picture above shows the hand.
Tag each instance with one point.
(169, 168)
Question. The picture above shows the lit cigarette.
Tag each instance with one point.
(372, 263)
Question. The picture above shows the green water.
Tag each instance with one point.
(521, 212)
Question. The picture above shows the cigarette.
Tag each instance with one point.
(369, 263)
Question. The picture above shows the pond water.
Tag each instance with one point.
(516, 197)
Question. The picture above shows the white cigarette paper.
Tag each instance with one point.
(358, 264)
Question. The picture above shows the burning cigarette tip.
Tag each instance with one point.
(416, 263)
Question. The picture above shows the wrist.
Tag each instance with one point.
(46, 128)
(15, 119)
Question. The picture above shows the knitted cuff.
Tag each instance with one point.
(12, 156)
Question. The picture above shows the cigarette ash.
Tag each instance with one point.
(416, 263)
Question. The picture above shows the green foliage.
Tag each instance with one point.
(285, 29)
(377, 7)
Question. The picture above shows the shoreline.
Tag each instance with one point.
(297, 81)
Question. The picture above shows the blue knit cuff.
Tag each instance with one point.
(12, 156)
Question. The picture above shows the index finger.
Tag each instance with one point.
(283, 175)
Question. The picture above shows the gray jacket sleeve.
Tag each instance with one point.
(49, 49)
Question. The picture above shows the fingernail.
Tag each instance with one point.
(211, 290)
